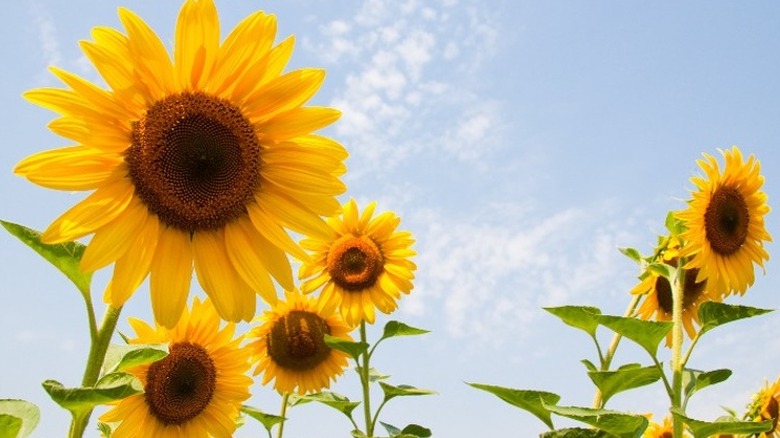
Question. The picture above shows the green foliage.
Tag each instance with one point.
(373, 374)
(267, 420)
(535, 402)
(332, 399)
(124, 357)
(713, 314)
(581, 317)
(703, 429)
(648, 334)
(64, 256)
(695, 380)
(397, 328)
(632, 253)
(619, 424)
(18, 418)
(353, 349)
(105, 429)
(576, 432)
(625, 378)
(410, 431)
(402, 391)
(111, 387)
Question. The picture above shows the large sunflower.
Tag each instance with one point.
(195, 391)
(364, 264)
(766, 406)
(725, 223)
(196, 161)
(291, 349)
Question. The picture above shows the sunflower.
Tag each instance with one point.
(364, 264)
(665, 430)
(291, 348)
(725, 223)
(765, 407)
(195, 391)
(200, 161)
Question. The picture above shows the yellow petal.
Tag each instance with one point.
(283, 94)
(246, 253)
(98, 209)
(69, 168)
(293, 215)
(171, 274)
(103, 101)
(112, 240)
(274, 233)
(150, 59)
(298, 121)
(263, 70)
(196, 43)
(131, 269)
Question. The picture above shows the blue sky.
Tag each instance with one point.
(521, 142)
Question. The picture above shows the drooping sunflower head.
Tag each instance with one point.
(766, 407)
(291, 349)
(196, 390)
(724, 222)
(363, 265)
(200, 160)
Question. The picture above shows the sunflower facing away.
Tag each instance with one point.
(766, 406)
(195, 391)
(199, 160)
(725, 223)
(365, 264)
(291, 349)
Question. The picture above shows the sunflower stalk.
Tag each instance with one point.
(97, 355)
(283, 414)
(364, 381)
(677, 341)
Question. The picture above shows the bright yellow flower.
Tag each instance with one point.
(199, 161)
(291, 348)
(765, 407)
(665, 430)
(725, 223)
(364, 264)
(195, 391)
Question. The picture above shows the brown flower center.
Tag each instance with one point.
(692, 290)
(771, 412)
(180, 386)
(355, 263)
(726, 220)
(194, 161)
(297, 341)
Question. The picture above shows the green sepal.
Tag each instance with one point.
(695, 380)
(648, 334)
(713, 314)
(64, 256)
(267, 420)
(18, 418)
(576, 432)
(353, 349)
(620, 424)
(674, 225)
(358, 434)
(703, 429)
(392, 391)
(631, 253)
(410, 431)
(120, 358)
(662, 269)
(336, 401)
(581, 317)
(534, 402)
(111, 387)
(625, 378)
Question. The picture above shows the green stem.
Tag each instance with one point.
(97, 355)
(364, 381)
(607, 360)
(677, 341)
(283, 414)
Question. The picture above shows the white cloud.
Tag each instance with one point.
(47, 35)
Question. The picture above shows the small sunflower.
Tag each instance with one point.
(725, 223)
(365, 264)
(655, 430)
(291, 348)
(766, 406)
(198, 161)
(195, 391)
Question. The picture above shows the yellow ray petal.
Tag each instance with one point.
(150, 59)
(103, 101)
(69, 168)
(283, 94)
(303, 181)
(274, 233)
(112, 240)
(298, 121)
(131, 269)
(196, 43)
(245, 252)
(293, 215)
(171, 274)
(263, 70)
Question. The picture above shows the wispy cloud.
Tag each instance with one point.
(409, 80)
(47, 37)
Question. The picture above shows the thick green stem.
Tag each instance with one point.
(283, 414)
(364, 369)
(677, 341)
(97, 355)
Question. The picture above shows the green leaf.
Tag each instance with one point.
(619, 424)
(713, 314)
(623, 379)
(334, 400)
(416, 431)
(648, 334)
(111, 387)
(267, 420)
(353, 349)
(124, 357)
(18, 418)
(589, 365)
(631, 253)
(105, 429)
(661, 269)
(64, 256)
(695, 380)
(392, 430)
(674, 225)
(576, 432)
(402, 391)
(703, 429)
(358, 434)
(581, 317)
(531, 401)
(397, 328)
(373, 374)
